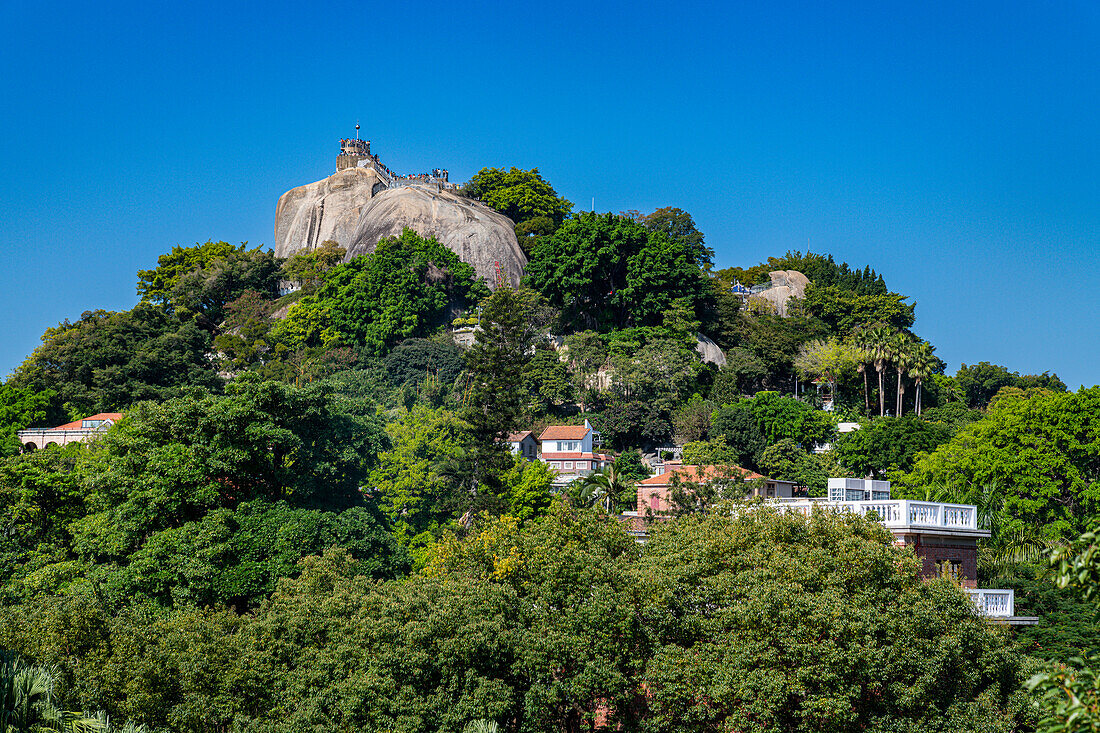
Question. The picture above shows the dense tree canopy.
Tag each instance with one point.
(107, 361)
(522, 196)
(606, 271)
(401, 290)
(889, 443)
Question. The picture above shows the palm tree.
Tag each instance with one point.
(603, 487)
(902, 356)
(28, 704)
(877, 340)
(924, 362)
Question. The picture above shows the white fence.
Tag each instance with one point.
(901, 512)
(994, 603)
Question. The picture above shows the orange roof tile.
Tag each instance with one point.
(77, 424)
(517, 437)
(564, 432)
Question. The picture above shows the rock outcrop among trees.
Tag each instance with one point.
(353, 208)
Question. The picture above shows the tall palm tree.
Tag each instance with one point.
(924, 361)
(901, 354)
(878, 339)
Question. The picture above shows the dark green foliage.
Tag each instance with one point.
(787, 461)
(677, 225)
(307, 267)
(1069, 624)
(522, 196)
(844, 310)
(170, 463)
(777, 417)
(546, 379)
(775, 341)
(629, 466)
(235, 557)
(981, 381)
(738, 426)
(414, 359)
(607, 272)
(244, 338)
(744, 374)
(107, 361)
(624, 423)
(823, 271)
(888, 443)
(157, 285)
(404, 288)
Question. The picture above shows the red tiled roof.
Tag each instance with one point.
(76, 425)
(564, 432)
(517, 437)
(692, 472)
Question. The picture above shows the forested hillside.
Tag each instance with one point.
(309, 519)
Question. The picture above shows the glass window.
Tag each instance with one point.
(582, 464)
(569, 464)
(951, 569)
(555, 464)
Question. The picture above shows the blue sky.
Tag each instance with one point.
(954, 147)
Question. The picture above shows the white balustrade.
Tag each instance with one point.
(994, 603)
(897, 512)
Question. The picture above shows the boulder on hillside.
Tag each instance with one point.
(354, 208)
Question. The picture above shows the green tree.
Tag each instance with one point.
(520, 195)
(308, 266)
(843, 310)
(107, 361)
(28, 703)
(677, 225)
(888, 444)
(876, 341)
(980, 382)
(413, 359)
(20, 407)
(157, 285)
(785, 460)
(1041, 446)
(827, 360)
(403, 289)
(606, 272)
(774, 621)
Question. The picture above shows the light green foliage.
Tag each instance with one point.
(1040, 446)
(522, 196)
(527, 488)
(309, 266)
(20, 407)
(400, 290)
(715, 452)
(1069, 694)
(107, 361)
(29, 704)
(830, 360)
(888, 443)
(774, 621)
(409, 483)
(692, 421)
(775, 342)
(157, 285)
(606, 272)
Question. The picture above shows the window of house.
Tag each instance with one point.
(582, 464)
(567, 445)
(655, 502)
(771, 489)
(569, 464)
(555, 464)
(951, 568)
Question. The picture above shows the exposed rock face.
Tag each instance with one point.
(479, 236)
(709, 351)
(786, 284)
(354, 208)
(308, 215)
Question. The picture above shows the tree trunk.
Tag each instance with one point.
(901, 393)
(918, 398)
(881, 392)
(866, 395)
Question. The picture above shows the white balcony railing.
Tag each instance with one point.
(994, 603)
(900, 512)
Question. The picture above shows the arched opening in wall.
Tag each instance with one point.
(29, 447)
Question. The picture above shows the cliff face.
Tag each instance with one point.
(351, 207)
(308, 215)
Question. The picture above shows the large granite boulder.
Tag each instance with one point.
(786, 284)
(478, 235)
(308, 215)
(354, 208)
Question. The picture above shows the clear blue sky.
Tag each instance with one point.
(954, 147)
